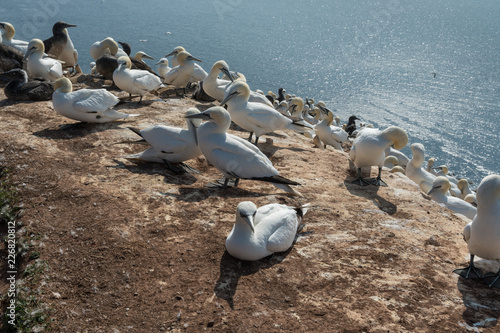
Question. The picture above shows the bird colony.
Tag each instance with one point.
(39, 69)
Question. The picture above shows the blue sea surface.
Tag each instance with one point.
(430, 67)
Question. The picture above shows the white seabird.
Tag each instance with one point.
(7, 31)
(483, 233)
(430, 165)
(416, 172)
(471, 198)
(163, 67)
(463, 186)
(87, 105)
(179, 76)
(402, 158)
(390, 162)
(106, 46)
(258, 233)
(233, 156)
(368, 149)
(443, 171)
(440, 187)
(212, 85)
(40, 66)
(330, 135)
(255, 117)
(134, 81)
(171, 145)
(199, 74)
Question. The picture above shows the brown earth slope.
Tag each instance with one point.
(135, 248)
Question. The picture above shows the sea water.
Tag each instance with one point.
(429, 67)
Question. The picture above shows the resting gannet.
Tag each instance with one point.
(199, 74)
(7, 31)
(416, 172)
(260, 232)
(369, 149)
(87, 105)
(430, 164)
(163, 67)
(471, 198)
(19, 89)
(106, 46)
(233, 156)
(137, 59)
(60, 45)
(390, 162)
(330, 135)
(463, 186)
(40, 66)
(295, 107)
(483, 233)
(440, 188)
(134, 81)
(212, 85)
(443, 171)
(179, 76)
(171, 145)
(402, 158)
(351, 125)
(255, 117)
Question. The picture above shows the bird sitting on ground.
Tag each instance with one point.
(20, 89)
(438, 193)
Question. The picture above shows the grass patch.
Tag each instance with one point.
(31, 315)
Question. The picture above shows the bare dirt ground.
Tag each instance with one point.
(133, 247)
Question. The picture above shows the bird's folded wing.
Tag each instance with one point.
(92, 100)
(171, 76)
(282, 238)
(242, 163)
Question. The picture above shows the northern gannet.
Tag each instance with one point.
(60, 45)
(179, 76)
(402, 158)
(463, 186)
(351, 125)
(438, 193)
(260, 232)
(7, 31)
(443, 171)
(430, 165)
(199, 74)
(87, 105)
(163, 67)
(134, 81)
(137, 59)
(233, 156)
(390, 162)
(212, 85)
(416, 172)
(330, 135)
(19, 89)
(471, 198)
(40, 66)
(368, 149)
(171, 145)
(10, 58)
(106, 46)
(483, 233)
(255, 117)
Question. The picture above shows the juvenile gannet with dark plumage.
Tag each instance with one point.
(232, 155)
(61, 46)
(19, 89)
(40, 66)
(170, 145)
(7, 31)
(483, 233)
(255, 117)
(260, 232)
(438, 193)
(351, 125)
(416, 172)
(134, 81)
(368, 149)
(87, 105)
(10, 58)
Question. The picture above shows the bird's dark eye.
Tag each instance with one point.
(242, 214)
(254, 213)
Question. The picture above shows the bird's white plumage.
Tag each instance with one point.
(7, 33)
(438, 192)
(134, 81)
(484, 231)
(39, 65)
(258, 233)
(88, 105)
(368, 149)
(180, 75)
(163, 67)
(214, 86)
(402, 158)
(331, 135)
(416, 172)
(171, 143)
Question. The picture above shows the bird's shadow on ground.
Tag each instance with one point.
(190, 194)
(77, 130)
(232, 269)
(370, 192)
(150, 168)
(482, 303)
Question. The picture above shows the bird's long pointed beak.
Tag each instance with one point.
(201, 115)
(29, 52)
(229, 97)
(148, 57)
(70, 25)
(249, 220)
(227, 73)
(159, 62)
(171, 54)
(190, 57)
(433, 189)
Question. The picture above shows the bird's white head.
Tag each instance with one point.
(63, 85)
(238, 88)
(489, 189)
(35, 46)
(397, 136)
(110, 43)
(8, 30)
(215, 114)
(163, 61)
(183, 57)
(245, 214)
(440, 184)
(142, 55)
(176, 51)
(124, 62)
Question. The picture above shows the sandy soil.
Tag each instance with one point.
(133, 247)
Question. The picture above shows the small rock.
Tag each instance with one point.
(211, 324)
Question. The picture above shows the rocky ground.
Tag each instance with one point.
(133, 247)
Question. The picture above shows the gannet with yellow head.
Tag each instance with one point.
(40, 66)
(7, 31)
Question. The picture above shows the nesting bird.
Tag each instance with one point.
(171, 145)
(260, 232)
(179, 76)
(199, 74)
(20, 89)
(233, 156)
(438, 193)
(7, 31)
(368, 149)
(483, 233)
(40, 66)
(416, 172)
(255, 117)
(87, 105)
(134, 81)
